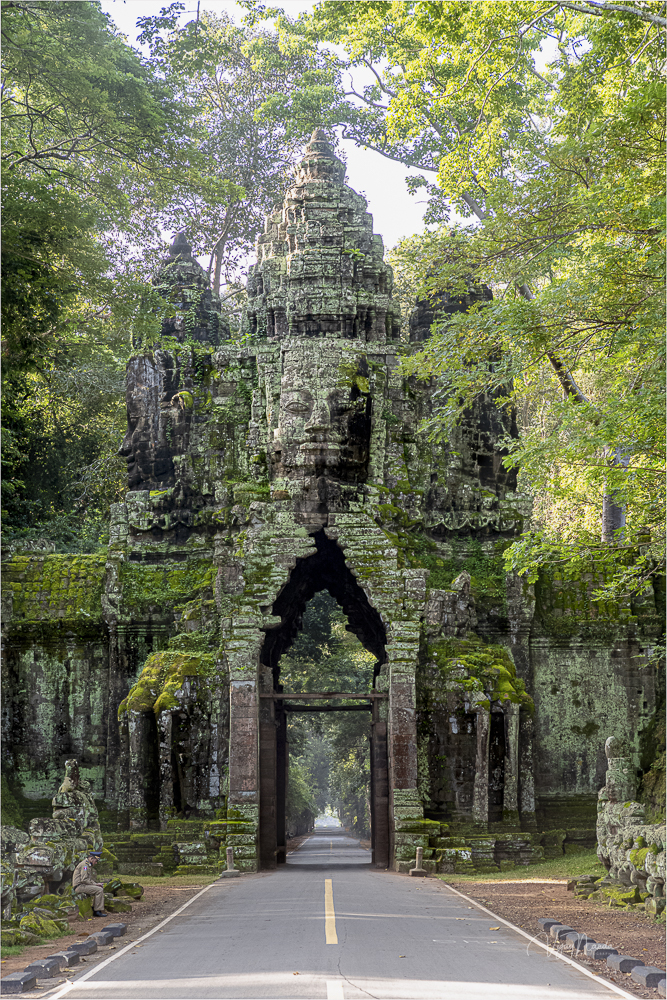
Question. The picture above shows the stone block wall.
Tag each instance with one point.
(261, 474)
(55, 671)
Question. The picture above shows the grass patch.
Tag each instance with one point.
(10, 950)
(569, 866)
(6, 951)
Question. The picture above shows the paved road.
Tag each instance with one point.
(390, 937)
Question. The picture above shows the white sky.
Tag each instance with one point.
(396, 213)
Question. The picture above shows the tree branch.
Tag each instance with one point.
(598, 9)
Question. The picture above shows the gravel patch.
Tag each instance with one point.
(522, 902)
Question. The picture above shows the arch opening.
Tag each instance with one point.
(324, 570)
(329, 639)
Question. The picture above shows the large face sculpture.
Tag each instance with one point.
(145, 447)
(324, 415)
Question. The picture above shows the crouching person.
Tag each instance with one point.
(82, 881)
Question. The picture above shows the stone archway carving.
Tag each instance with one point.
(304, 467)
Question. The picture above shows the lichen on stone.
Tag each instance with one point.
(162, 677)
(472, 665)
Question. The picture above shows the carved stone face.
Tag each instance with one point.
(324, 416)
(156, 429)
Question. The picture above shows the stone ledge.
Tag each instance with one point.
(117, 930)
(102, 937)
(66, 958)
(44, 968)
(623, 963)
(600, 952)
(87, 947)
(647, 975)
(18, 982)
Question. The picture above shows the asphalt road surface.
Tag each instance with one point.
(328, 926)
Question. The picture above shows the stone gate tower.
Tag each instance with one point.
(263, 474)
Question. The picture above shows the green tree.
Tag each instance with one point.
(223, 74)
(560, 172)
(82, 120)
(300, 805)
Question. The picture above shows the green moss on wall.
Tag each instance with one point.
(165, 586)
(55, 587)
(473, 665)
(564, 605)
(415, 550)
(163, 675)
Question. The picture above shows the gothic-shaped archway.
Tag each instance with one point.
(325, 569)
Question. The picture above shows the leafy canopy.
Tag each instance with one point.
(559, 169)
(81, 115)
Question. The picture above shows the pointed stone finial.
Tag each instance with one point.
(180, 246)
(319, 161)
(320, 143)
(615, 748)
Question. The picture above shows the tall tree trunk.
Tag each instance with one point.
(216, 253)
(613, 514)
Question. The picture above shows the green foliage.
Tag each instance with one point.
(11, 809)
(350, 773)
(325, 656)
(473, 665)
(300, 804)
(82, 121)
(222, 74)
(561, 170)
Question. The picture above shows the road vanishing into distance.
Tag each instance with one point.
(327, 925)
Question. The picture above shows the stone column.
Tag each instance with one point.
(402, 652)
(404, 804)
(165, 773)
(123, 771)
(117, 691)
(138, 726)
(379, 788)
(480, 794)
(243, 742)
(268, 772)
(511, 786)
(243, 802)
(526, 774)
(282, 778)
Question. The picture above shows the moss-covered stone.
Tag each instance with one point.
(113, 904)
(171, 586)
(42, 926)
(55, 588)
(472, 665)
(162, 677)
(85, 907)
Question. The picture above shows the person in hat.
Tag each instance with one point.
(82, 881)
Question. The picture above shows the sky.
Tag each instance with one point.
(396, 213)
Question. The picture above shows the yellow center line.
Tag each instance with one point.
(330, 935)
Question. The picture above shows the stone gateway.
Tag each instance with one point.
(263, 473)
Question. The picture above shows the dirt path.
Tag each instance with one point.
(159, 900)
(524, 901)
